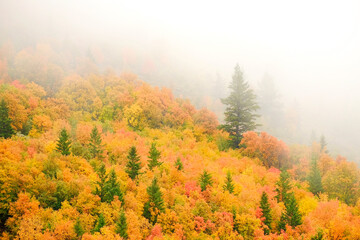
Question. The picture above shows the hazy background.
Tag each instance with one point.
(310, 50)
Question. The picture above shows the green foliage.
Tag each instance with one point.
(266, 212)
(63, 143)
(133, 166)
(121, 226)
(155, 205)
(95, 145)
(99, 223)
(205, 180)
(292, 215)
(314, 178)
(229, 185)
(283, 186)
(154, 156)
(178, 164)
(222, 143)
(6, 131)
(108, 187)
(240, 108)
(319, 235)
(78, 228)
(50, 168)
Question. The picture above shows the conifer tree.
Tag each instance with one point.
(133, 166)
(292, 211)
(266, 211)
(108, 187)
(178, 164)
(112, 188)
(283, 186)
(205, 180)
(99, 223)
(78, 228)
(100, 189)
(292, 215)
(323, 143)
(6, 131)
(155, 205)
(95, 145)
(229, 185)
(64, 143)
(121, 226)
(314, 178)
(240, 108)
(154, 156)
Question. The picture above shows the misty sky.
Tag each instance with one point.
(311, 49)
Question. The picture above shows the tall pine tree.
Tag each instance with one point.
(314, 178)
(155, 205)
(154, 156)
(229, 185)
(292, 215)
(205, 180)
(63, 143)
(95, 145)
(6, 131)
(112, 187)
(99, 223)
(240, 108)
(78, 228)
(266, 211)
(133, 166)
(121, 226)
(283, 186)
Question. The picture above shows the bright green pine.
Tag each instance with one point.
(63, 144)
(154, 156)
(314, 178)
(205, 180)
(108, 187)
(112, 188)
(292, 211)
(240, 108)
(121, 226)
(283, 186)
(229, 185)
(155, 204)
(78, 228)
(99, 223)
(6, 131)
(266, 211)
(95, 145)
(133, 166)
(178, 164)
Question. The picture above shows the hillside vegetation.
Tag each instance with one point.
(107, 156)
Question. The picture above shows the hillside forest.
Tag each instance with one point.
(87, 154)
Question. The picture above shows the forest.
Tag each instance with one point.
(87, 155)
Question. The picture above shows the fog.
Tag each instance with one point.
(309, 49)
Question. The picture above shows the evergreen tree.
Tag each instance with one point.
(266, 211)
(99, 223)
(133, 166)
(205, 180)
(121, 226)
(6, 131)
(178, 164)
(240, 108)
(283, 186)
(95, 145)
(229, 185)
(154, 156)
(112, 188)
(100, 189)
(323, 144)
(292, 215)
(155, 205)
(314, 178)
(108, 187)
(78, 228)
(63, 143)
